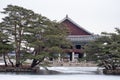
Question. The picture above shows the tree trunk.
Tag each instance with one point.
(10, 60)
(18, 56)
(106, 65)
(33, 63)
(36, 62)
(17, 49)
(5, 60)
(18, 63)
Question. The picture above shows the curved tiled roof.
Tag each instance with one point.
(74, 28)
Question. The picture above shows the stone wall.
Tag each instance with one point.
(74, 64)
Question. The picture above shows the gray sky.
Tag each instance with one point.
(94, 15)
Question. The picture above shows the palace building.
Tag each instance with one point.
(79, 37)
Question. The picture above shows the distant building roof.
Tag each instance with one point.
(76, 32)
(74, 28)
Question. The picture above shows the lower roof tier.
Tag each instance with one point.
(82, 38)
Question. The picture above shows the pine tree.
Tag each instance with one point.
(105, 50)
(31, 30)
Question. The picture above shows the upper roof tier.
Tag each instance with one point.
(74, 28)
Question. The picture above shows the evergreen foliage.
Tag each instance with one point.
(33, 36)
(105, 50)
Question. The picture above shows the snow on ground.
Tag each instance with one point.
(9, 76)
(74, 69)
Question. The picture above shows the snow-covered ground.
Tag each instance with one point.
(73, 76)
(74, 69)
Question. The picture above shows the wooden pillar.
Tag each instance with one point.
(73, 56)
(59, 59)
(84, 55)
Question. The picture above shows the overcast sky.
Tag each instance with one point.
(94, 15)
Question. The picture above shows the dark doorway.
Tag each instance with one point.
(80, 55)
(78, 46)
(70, 56)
